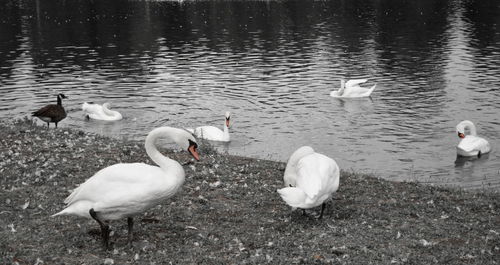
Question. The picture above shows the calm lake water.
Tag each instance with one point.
(273, 65)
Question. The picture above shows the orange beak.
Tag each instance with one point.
(193, 152)
(461, 135)
(227, 122)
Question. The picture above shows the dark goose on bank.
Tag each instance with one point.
(52, 112)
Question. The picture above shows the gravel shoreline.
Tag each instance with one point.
(228, 212)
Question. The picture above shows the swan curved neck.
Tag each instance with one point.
(226, 131)
(470, 125)
(162, 161)
(342, 87)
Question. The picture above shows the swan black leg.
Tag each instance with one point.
(130, 222)
(104, 229)
(322, 210)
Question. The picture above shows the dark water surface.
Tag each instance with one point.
(273, 65)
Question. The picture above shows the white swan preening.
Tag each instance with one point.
(310, 179)
(213, 133)
(127, 189)
(100, 112)
(471, 145)
(351, 89)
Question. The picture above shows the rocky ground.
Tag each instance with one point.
(229, 212)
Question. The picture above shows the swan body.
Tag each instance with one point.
(101, 112)
(310, 179)
(127, 189)
(351, 89)
(471, 145)
(212, 133)
(52, 112)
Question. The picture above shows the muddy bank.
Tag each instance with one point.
(229, 212)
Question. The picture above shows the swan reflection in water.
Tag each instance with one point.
(464, 161)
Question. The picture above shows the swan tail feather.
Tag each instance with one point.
(293, 196)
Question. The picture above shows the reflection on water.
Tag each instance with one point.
(272, 64)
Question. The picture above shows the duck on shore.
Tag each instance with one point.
(52, 112)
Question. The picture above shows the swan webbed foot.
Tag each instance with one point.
(104, 229)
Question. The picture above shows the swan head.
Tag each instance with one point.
(228, 118)
(181, 137)
(106, 105)
(192, 150)
(189, 143)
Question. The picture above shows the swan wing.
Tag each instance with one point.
(90, 108)
(290, 175)
(474, 143)
(318, 177)
(354, 82)
(121, 183)
(209, 133)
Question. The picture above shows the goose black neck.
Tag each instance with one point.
(59, 100)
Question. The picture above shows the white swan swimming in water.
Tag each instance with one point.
(471, 145)
(351, 89)
(98, 112)
(310, 179)
(127, 189)
(213, 133)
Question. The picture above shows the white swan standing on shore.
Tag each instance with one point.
(351, 89)
(98, 112)
(213, 133)
(310, 179)
(127, 189)
(471, 145)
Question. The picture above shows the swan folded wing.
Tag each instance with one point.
(309, 177)
(318, 177)
(91, 108)
(355, 82)
(136, 182)
(209, 132)
(472, 143)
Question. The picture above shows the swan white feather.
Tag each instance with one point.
(101, 112)
(127, 189)
(351, 89)
(471, 144)
(310, 179)
(213, 133)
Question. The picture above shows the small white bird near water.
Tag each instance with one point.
(212, 133)
(351, 89)
(101, 112)
(471, 144)
(310, 179)
(127, 189)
